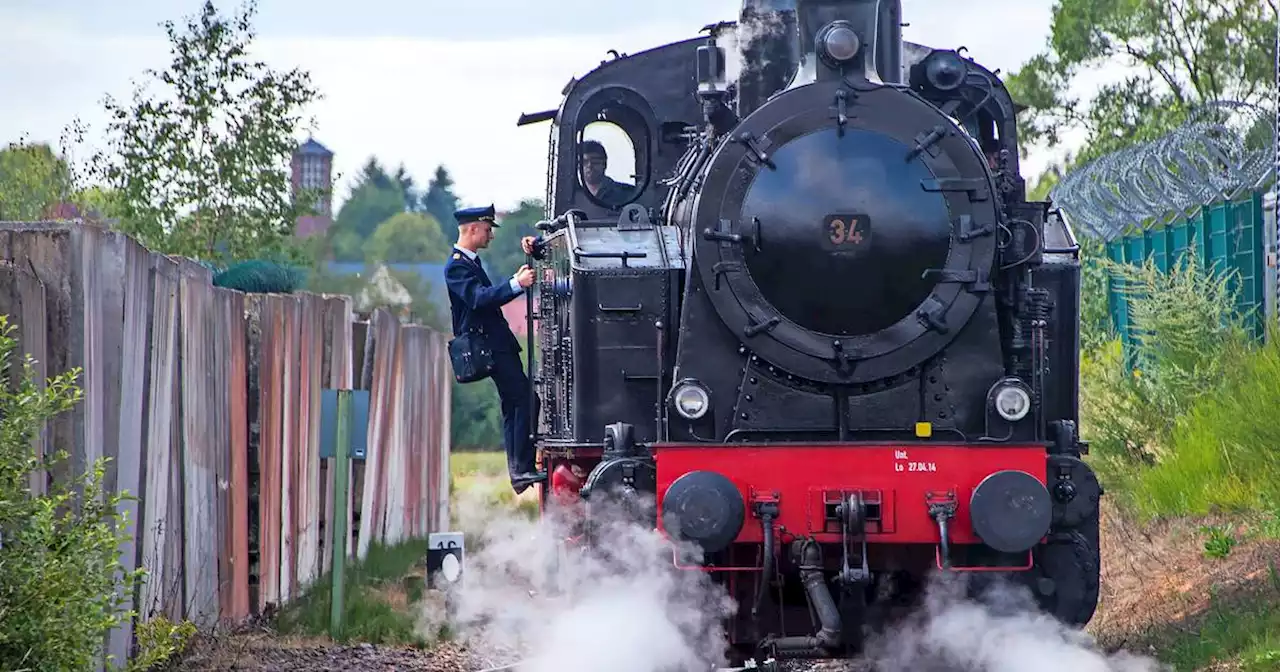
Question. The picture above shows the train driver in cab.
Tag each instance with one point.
(605, 189)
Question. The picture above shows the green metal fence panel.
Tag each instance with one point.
(1248, 261)
(1157, 244)
(1227, 237)
(1116, 303)
(1219, 257)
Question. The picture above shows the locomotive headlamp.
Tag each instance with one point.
(838, 41)
(945, 69)
(1012, 403)
(690, 399)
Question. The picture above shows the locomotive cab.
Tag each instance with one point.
(827, 338)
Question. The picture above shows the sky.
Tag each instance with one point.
(418, 82)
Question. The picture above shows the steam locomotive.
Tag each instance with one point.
(822, 328)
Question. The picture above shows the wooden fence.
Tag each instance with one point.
(207, 401)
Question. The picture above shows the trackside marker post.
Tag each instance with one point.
(342, 448)
(344, 432)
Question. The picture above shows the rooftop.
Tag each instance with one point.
(313, 148)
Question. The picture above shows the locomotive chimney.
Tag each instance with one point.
(855, 39)
(767, 51)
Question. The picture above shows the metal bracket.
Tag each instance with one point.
(757, 147)
(853, 518)
(942, 508)
(976, 281)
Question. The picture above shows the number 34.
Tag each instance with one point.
(840, 234)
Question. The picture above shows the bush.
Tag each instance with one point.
(1187, 343)
(60, 575)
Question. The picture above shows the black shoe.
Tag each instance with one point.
(522, 481)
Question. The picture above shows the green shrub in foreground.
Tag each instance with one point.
(59, 552)
(58, 561)
(1188, 339)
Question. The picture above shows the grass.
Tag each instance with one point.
(1184, 436)
(384, 592)
(1234, 633)
(1223, 454)
(1182, 432)
(379, 595)
(1218, 456)
(480, 480)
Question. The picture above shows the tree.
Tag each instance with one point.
(407, 187)
(439, 200)
(375, 197)
(1181, 53)
(204, 172)
(32, 179)
(505, 253)
(406, 237)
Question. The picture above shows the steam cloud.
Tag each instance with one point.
(626, 608)
(740, 38)
(1001, 631)
(622, 607)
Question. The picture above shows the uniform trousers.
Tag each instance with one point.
(513, 391)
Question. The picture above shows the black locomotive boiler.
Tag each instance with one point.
(814, 317)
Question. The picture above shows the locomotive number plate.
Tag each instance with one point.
(846, 233)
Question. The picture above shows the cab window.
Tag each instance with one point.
(607, 164)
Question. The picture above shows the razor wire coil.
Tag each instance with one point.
(1218, 152)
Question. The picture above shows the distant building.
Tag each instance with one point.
(313, 169)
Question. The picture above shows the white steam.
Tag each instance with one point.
(1001, 631)
(741, 37)
(623, 607)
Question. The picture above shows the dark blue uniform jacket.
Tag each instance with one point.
(477, 303)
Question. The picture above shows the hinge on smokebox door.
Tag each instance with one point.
(853, 518)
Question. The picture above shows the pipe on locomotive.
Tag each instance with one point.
(778, 44)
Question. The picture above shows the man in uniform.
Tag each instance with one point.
(476, 304)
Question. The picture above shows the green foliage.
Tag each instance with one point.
(204, 172)
(58, 551)
(32, 179)
(439, 200)
(159, 640)
(1180, 433)
(476, 416)
(1185, 328)
(375, 197)
(1181, 52)
(406, 237)
(1220, 540)
(1095, 314)
(1222, 454)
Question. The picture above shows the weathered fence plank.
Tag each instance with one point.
(199, 452)
(236, 606)
(135, 350)
(24, 304)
